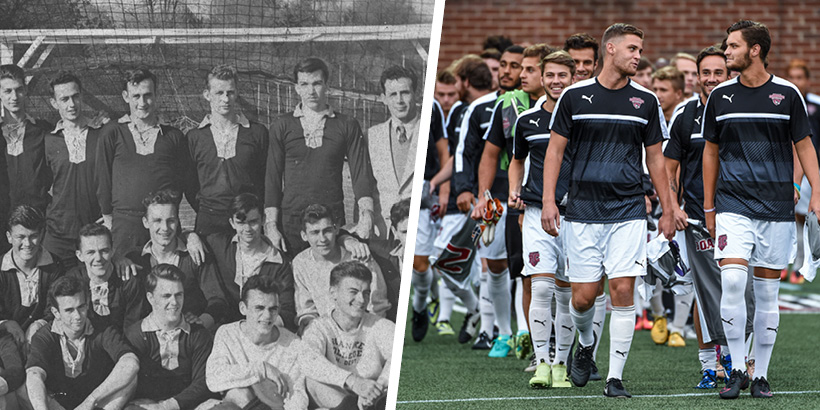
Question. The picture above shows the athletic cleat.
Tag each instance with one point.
(593, 374)
(533, 364)
(559, 376)
(433, 310)
(582, 364)
(760, 388)
(676, 340)
(615, 388)
(501, 346)
(523, 345)
(542, 377)
(420, 325)
(469, 327)
(444, 328)
(750, 368)
(737, 381)
(726, 362)
(483, 342)
(659, 333)
(709, 380)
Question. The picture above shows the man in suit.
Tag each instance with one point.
(392, 144)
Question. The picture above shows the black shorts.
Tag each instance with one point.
(515, 253)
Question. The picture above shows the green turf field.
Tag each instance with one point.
(438, 373)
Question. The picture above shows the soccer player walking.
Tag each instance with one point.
(753, 124)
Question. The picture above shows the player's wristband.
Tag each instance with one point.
(709, 210)
(796, 186)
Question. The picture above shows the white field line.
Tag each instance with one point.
(639, 396)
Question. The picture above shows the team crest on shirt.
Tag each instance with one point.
(534, 258)
(636, 102)
(506, 123)
(777, 98)
(721, 242)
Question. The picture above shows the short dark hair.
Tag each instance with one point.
(163, 271)
(93, 229)
(311, 65)
(137, 76)
(580, 41)
(400, 211)
(66, 286)
(538, 50)
(753, 33)
(28, 217)
(162, 197)
(473, 69)
(644, 63)
(672, 74)
(710, 51)
(315, 213)
(498, 42)
(243, 204)
(559, 57)
(446, 77)
(64, 77)
(222, 72)
(491, 53)
(618, 30)
(396, 72)
(14, 72)
(264, 283)
(350, 269)
(515, 49)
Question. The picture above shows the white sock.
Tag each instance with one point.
(750, 355)
(485, 305)
(467, 296)
(434, 293)
(564, 328)
(767, 322)
(621, 329)
(598, 321)
(683, 305)
(656, 302)
(500, 294)
(518, 301)
(733, 311)
(447, 300)
(541, 316)
(421, 285)
(636, 298)
(583, 322)
(708, 359)
(724, 351)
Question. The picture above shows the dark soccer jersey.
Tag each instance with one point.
(754, 129)
(607, 130)
(532, 138)
(686, 146)
(437, 132)
(470, 146)
(453, 130)
(30, 177)
(813, 108)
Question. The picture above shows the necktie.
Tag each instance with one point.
(402, 134)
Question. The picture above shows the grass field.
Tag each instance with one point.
(439, 373)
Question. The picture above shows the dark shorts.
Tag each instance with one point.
(209, 221)
(515, 252)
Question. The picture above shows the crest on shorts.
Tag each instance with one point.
(636, 102)
(721, 242)
(777, 98)
(534, 258)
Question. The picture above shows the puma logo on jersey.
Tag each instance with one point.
(588, 98)
(488, 109)
(535, 122)
(697, 120)
(542, 322)
(623, 354)
(728, 322)
(773, 329)
(640, 263)
(728, 97)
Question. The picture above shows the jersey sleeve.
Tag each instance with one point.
(520, 146)
(467, 153)
(437, 128)
(561, 121)
(495, 132)
(674, 148)
(799, 119)
(709, 128)
(655, 130)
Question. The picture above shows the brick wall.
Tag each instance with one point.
(670, 26)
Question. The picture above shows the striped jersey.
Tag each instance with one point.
(607, 131)
(437, 132)
(453, 129)
(754, 129)
(686, 146)
(470, 147)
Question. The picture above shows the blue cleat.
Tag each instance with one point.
(709, 380)
(501, 346)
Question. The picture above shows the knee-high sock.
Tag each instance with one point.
(518, 301)
(485, 305)
(541, 316)
(656, 302)
(466, 294)
(767, 322)
(707, 358)
(733, 311)
(636, 297)
(583, 322)
(447, 300)
(421, 285)
(434, 294)
(598, 321)
(500, 294)
(621, 329)
(564, 327)
(683, 305)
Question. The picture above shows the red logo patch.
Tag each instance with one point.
(636, 102)
(705, 245)
(534, 258)
(506, 123)
(721, 242)
(777, 98)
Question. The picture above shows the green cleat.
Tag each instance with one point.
(523, 345)
(444, 328)
(559, 376)
(432, 311)
(542, 378)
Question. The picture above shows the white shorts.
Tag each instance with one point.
(543, 253)
(802, 206)
(765, 244)
(497, 249)
(450, 225)
(680, 238)
(615, 249)
(426, 234)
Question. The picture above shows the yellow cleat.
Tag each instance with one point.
(659, 333)
(676, 340)
(559, 376)
(542, 378)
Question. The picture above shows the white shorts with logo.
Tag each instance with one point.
(497, 249)
(425, 234)
(543, 253)
(613, 249)
(450, 225)
(765, 244)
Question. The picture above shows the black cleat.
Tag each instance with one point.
(737, 381)
(582, 364)
(420, 324)
(615, 388)
(593, 374)
(483, 342)
(469, 327)
(760, 388)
